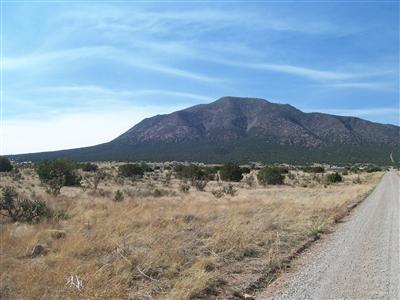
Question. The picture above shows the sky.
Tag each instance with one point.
(76, 74)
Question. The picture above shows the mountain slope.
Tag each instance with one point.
(245, 129)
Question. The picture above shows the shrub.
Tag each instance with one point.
(16, 174)
(59, 214)
(167, 178)
(160, 192)
(230, 190)
(334, 177)
(210, 172)
(7, 204)
(291, 176)
(282, 170)
(99, 176)
(374, 169)
(184, 187)
(60, 171)
(54, 185)
(118, 196)
(93, 181)
(199, 184)
(226, 190)
(270, 175)
(89, 167)
(22, 210)
(355, 170)
(218, 193)
(5, 164)
(191, 172)
(357, 180)
(231, 172)
(246, 170)
(310, 169)
(146, 168)
(250, 180)
(33, 210)
(131, 170)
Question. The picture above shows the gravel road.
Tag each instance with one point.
(361, 260)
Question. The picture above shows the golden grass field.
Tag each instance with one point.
(169, 244)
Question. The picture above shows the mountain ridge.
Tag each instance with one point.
(244, 129)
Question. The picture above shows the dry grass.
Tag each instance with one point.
(171, 245)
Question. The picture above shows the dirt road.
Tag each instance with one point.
(361, 259)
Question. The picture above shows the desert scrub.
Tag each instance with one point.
(59, 214)
(190, 172)
(89, 167)
(218, 193)
(131, 170)
(225, 190)
(200, 185)
(184, 187)
(231, 172)
(250, 180)
(58, 173)
(5, 164)
(310, 169)
(190, 245)
(334, 177)
(270, 175)
(230, 190)
(26, 210)
(118, 196)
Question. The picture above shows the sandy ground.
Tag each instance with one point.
(359, 261)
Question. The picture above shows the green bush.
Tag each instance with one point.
(131, 170)
(33, 210)
(355, 170)
(210, 172)
(231, 172)
(89, 167)
(374, 169)
(270, 175)
(246, 170)
(60, 172)
(145, 167)
(7, 203)
(191, 172)
(5, 164)
(118, 196)
(334, 177)
(281, 170)
(23, 210)
(310, 169)
(54, 185)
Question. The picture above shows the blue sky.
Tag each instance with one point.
(78, 74)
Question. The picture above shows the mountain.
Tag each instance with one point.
(245, 129)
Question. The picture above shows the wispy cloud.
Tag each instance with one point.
(306, 72)
(375, 86)
(198, 20)
(90, 90)
(48, 59)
